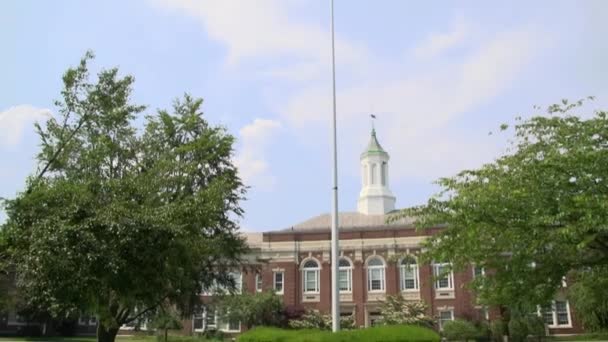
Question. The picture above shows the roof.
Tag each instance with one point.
(254, 240)
(373, 146)
(349, 220)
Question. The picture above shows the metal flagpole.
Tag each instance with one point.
(335, 295)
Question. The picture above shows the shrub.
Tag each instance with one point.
(258, 309)
(396, 333)
(313, 319)
(397, 310)
(498, 329)
(520, 327)
(460, 330)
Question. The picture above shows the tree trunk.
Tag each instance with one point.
(105, 334)
(166, 333)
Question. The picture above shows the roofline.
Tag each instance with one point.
(315, 230)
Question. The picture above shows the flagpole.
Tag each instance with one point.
(335, 294)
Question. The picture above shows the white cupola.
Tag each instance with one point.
(375, 197)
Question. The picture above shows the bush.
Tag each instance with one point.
(313, 319)
(498, 329)
(397, 310)
(395, 333)
(460, 330)
(520, 327)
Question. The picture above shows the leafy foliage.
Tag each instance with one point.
(257, 309)
(521, 326)
(397, 333)
(313, 319)
(589, 296)
(397, 310)
(460, 330)
(543, 205)
(117, 222)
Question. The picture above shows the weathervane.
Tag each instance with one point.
(373, 117)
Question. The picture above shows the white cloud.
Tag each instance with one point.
(415, 112)
(251, 158)
(14, 120)
(268, 29)
(416, 106)
(436, 43)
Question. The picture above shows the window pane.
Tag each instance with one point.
(561, 309)
(278, 281)
(211, 318)
(548, 316)
(197, 322)
(375, 262)
(234, 326)
(311, 264)
(376, 276)
(344, 280)
(258, 282)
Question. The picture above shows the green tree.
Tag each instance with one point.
(117, 221)
(589, 296)
(532, 215)
(460, 330)
(258, 309)
(166, 318)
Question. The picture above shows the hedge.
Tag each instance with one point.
(394, 333)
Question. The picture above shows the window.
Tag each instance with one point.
(444, 278)
(278, 282)
(557, 314)
(375, 274)
(478, 271)
(408, 270)
(258, 283)
(310, 272)
(206, 319)
(445, 316)
(233, 326)
(87, 320)
(345, 275)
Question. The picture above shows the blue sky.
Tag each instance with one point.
(439, 75)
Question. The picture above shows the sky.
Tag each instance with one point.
(438, 76)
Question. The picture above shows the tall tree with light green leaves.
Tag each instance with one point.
(533, 215)
(117, 221)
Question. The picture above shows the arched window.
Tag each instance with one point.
(310, 276)
(365, 175)
(345, 275)
(408, 270)
(374, 174)
(375, 274)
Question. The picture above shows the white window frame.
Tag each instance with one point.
(275, 282)
(349, 275)
(306, 272)
(414, 270)
(441, 321)
(203, 315)
(378, 268)
(258, 282)
(90, 320)
(449, 276)
(483, 271)
(556, 324)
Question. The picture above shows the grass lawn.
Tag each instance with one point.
(585, 337)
